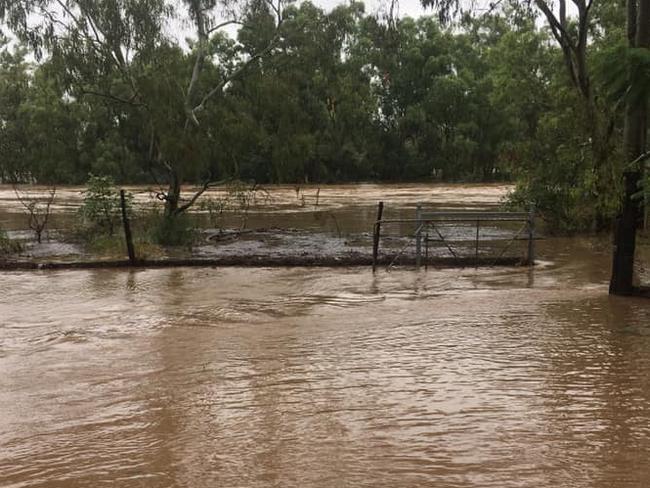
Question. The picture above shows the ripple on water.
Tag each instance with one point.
(323, 378)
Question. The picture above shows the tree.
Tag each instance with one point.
(117, 50)
(38, 207)
(572, 35)
(14, 86)
(635, 144)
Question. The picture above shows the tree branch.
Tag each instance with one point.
(223, 24)
(227, 79)
(195, 197)
(192, 112)
(559, 30)
(277, 9)
(115, 98)
(640, 159)
(198, 62)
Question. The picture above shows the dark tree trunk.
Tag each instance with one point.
(621, 282)
(173, 197)
(635, 135)
(573, 40)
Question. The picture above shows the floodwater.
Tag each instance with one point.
(335, 207)
(290, 197)
(232, 377)
(333, 220)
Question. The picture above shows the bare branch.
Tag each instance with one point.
(192, 112)
(640, 159)
(227, 79)
(115, 98)
(277, 9)
(38, 216)
(559, 30)
(223, 24)
(208, 184)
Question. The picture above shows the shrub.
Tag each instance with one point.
(38, 209)
(171, 231)
(100, 210)
(7, 245)
(239, 197)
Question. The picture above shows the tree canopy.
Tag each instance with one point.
(286, 92)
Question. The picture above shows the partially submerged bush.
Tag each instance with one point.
(100, 211)
(215, 207)
(238, 199)
(562, 209)
(8, 245)
(115, 247)
(171, 231)
(38, 209)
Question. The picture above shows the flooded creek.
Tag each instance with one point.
(297, 377)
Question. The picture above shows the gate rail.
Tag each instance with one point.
(424, 220)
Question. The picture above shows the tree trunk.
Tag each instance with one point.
(635, 135)
(621, 282)
(173, 197)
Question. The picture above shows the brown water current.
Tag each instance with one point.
(302, 206)
(494, 377)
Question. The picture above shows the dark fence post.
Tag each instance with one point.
(127, 229)
(376, 235)
(531, 236)
(418, 236)
(426, 251)
(478, 226)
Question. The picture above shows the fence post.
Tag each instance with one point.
(418, 236)
(478, 224)
(375, 235)
(531, 236)
(127, 229)
(426, 251)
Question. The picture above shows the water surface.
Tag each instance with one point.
(509, 377)
(327, 377)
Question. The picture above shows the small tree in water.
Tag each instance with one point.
(100, 210)
(38, 209)
(238, 198)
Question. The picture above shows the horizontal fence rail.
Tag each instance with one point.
(424, 221)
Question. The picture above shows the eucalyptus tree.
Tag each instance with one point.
(14, 87)
(577, 36)
(121, 52)
(305, 112)
(636, 94)
(435, 108)
(332, 89)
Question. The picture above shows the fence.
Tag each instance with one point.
(427, 224)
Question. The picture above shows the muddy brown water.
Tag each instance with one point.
(292, 377)
(347, 208)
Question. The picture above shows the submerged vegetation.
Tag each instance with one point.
(100, 210)
(99, 221)
(8, 246)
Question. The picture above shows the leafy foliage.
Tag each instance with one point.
(300, 94)
(100, 211)
(176, 231)
(625, 73)
(8, 245)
